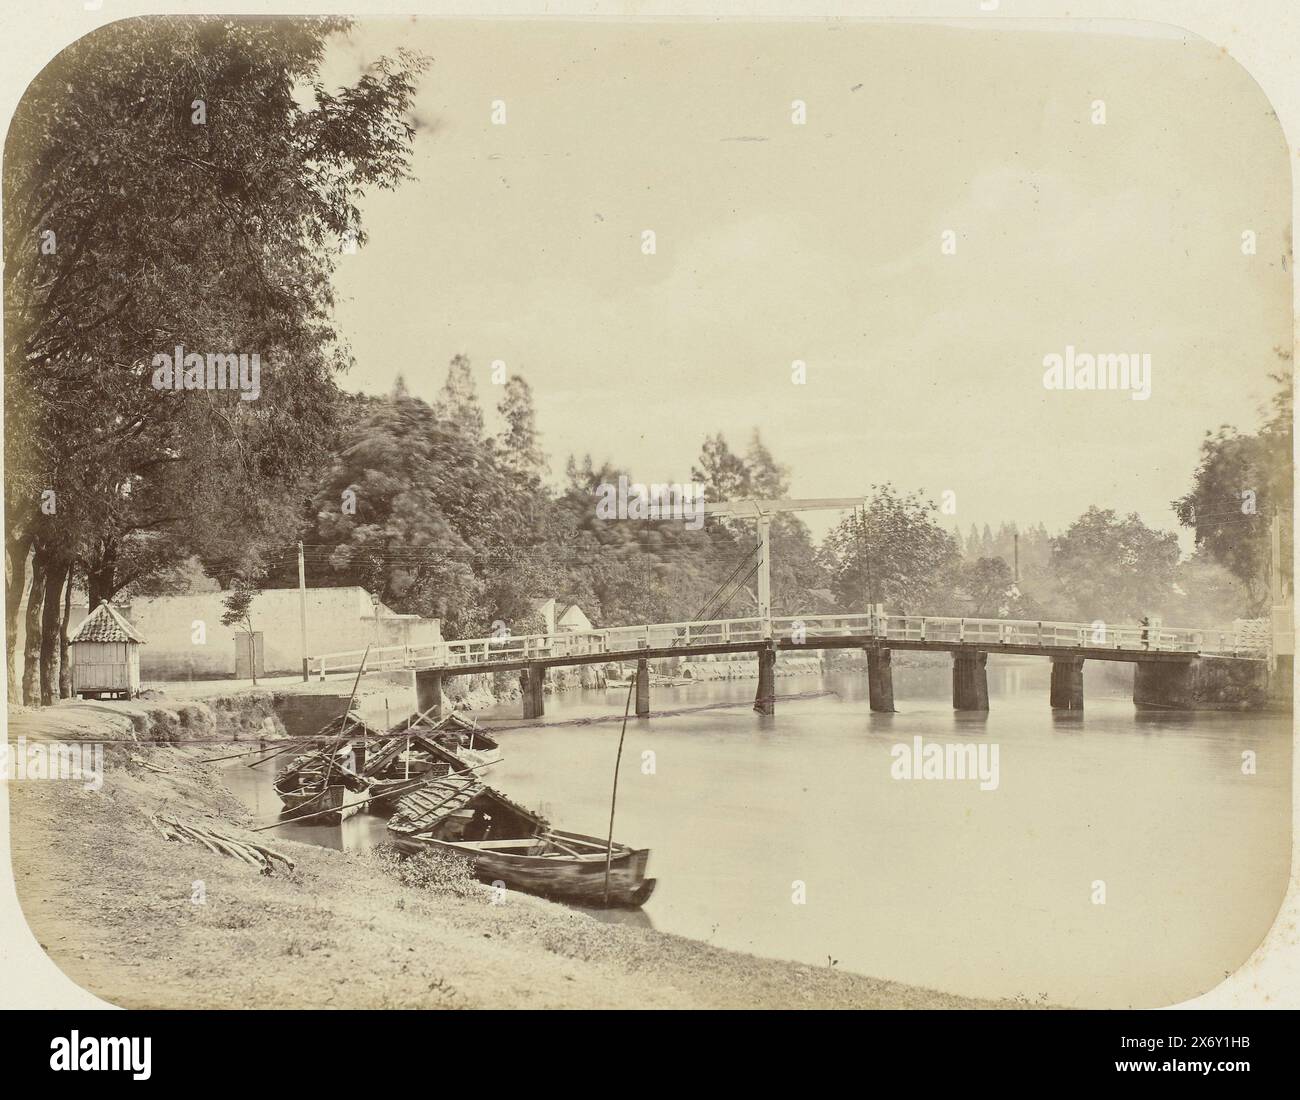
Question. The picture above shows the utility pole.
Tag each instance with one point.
(302, 605)
(1016, 536)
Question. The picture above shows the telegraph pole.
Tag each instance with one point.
(302, 605)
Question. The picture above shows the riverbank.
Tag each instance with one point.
(114, 905)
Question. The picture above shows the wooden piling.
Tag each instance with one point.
(530, 685)
(764, 703)
(880, 679)
(1067, 683)
(970, 681)
(428, 692)
(643, 688)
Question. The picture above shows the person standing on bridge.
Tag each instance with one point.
(1145, 623)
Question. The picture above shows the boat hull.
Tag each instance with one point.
(580, 880)
(331, 806)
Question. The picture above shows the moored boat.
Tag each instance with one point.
(324, 785)
(511, 845)
(425, 749)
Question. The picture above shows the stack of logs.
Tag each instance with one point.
(256, 855)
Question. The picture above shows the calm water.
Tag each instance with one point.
(931, 882)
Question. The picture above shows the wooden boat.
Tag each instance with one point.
(457, 734)
(508, 844)
(402, 764)
(426, 749)
(324, 785)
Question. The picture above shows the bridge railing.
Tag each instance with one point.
(377, 658)
(1041, 634)
(625, 641)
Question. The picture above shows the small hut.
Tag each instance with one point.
(105, 655)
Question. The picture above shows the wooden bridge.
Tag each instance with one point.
(1167, 654)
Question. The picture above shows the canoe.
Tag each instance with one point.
(511, 846)
(559, 865)
(322, 785)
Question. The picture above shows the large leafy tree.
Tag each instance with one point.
(987, 582)
(176, 182)
(1242, 482)
(380, 515)
(892, 552)
(1114, 567)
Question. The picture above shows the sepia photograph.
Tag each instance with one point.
(646, 513)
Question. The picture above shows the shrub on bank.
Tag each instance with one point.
(445, 872)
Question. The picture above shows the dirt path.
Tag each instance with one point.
(111, 901)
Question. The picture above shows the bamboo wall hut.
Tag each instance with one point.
(105, 655)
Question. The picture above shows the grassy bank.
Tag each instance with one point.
(111, 901)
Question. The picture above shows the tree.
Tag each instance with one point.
(1242, 481)
(131, 228)
(458, 400)
(721, 471)
(893, 553)
(1114, 568)
(987, 582)
(238, 605)
(729, 476)
(1205, 594)
(517, 445)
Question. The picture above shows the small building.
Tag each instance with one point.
(105, 655)
(562, 618)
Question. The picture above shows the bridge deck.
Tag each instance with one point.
(1090, 641)
(866, 641)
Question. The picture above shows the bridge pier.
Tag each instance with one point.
(1201, 683)
(1067, 683)
(643, 688)
(880, 679)
(428, 692)
(970, 680)
(763, 698)
(530, 684)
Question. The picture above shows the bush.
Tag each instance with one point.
(445, 872)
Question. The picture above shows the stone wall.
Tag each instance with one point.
(1204, 683)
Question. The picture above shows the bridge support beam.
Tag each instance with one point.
(530, 685)
(428, 692)
(880, 679)
(764, 703)
(1067, 683)
(643, 689)
(970, 680)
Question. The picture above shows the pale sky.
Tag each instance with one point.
(821, 242)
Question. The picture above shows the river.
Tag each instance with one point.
(939, 883)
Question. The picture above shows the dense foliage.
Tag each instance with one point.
(188, 182)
